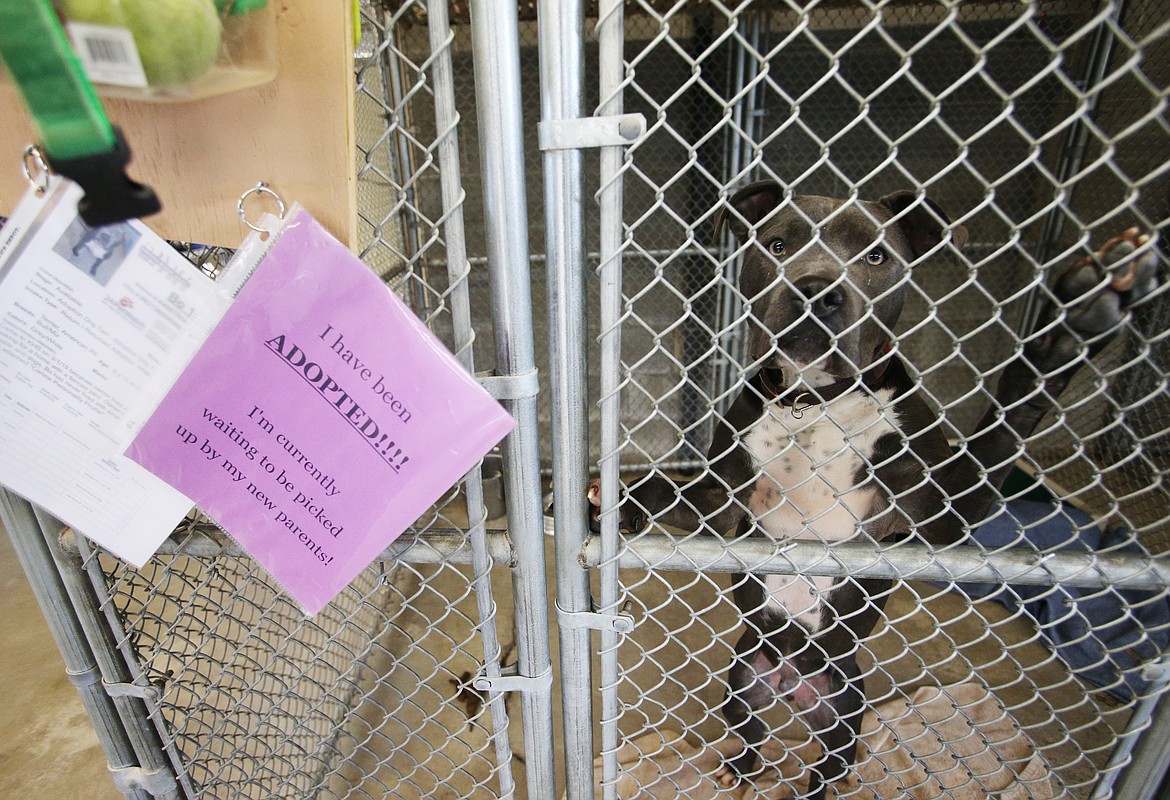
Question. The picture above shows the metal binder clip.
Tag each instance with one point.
(259, 188)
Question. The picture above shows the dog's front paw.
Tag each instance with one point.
(631, 518)
(740, 771)
(1095, 295)
(727, 777)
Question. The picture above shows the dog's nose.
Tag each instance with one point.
(823, 298)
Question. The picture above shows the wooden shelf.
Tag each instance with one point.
(296, 133)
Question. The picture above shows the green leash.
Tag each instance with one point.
(74, 132)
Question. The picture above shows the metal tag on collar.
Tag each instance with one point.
(798, 409)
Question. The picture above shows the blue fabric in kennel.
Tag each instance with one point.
(1104, 635)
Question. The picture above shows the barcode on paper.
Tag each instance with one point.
(107, 54)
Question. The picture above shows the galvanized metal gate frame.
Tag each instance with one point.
(562, 88)
(121, 707)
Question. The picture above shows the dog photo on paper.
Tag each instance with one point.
(96, 252)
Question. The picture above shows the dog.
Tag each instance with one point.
(830, 439)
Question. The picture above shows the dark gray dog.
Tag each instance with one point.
(830, 438)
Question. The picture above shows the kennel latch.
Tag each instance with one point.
(575, 620)
(576, 134)
(510, 681)
(511, 387)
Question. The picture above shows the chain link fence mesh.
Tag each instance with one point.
(374, 696)
(1038, 126)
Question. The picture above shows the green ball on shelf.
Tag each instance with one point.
(178, 41)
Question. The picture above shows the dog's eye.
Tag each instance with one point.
(776, 247)
(875, 257)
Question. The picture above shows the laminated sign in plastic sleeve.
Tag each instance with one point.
(320, 419)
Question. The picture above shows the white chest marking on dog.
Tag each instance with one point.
(811, 483)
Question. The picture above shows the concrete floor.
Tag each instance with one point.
(47, 747)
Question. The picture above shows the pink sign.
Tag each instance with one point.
(320, 419)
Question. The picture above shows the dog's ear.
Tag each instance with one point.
(751, 204)
(923, 222)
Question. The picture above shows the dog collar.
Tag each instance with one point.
(800, 400)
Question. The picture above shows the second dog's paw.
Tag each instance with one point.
(726, 777)
(1095, 295)
(631, 519)
(593, 494)
(1098, 289)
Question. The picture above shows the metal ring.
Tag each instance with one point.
(35, 157)
(259, 188)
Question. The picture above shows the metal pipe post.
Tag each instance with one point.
(1140, 746)
(402, 164)
(561, 59)
(33, 553)
(742, 153)
(1075, 145)
(611, 77)
(496, 53)
(1149, 758)
(760, 555)
(131, 699)
(458, 270)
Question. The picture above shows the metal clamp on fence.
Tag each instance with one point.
(82, 678)
(577, 134)
(1157, 672)
(509, 681)
(159, 783)
(576, 620)
(511, 387)
(149, 693)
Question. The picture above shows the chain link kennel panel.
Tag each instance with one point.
(1027, 660)
(401, 687)
(1029, 667)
